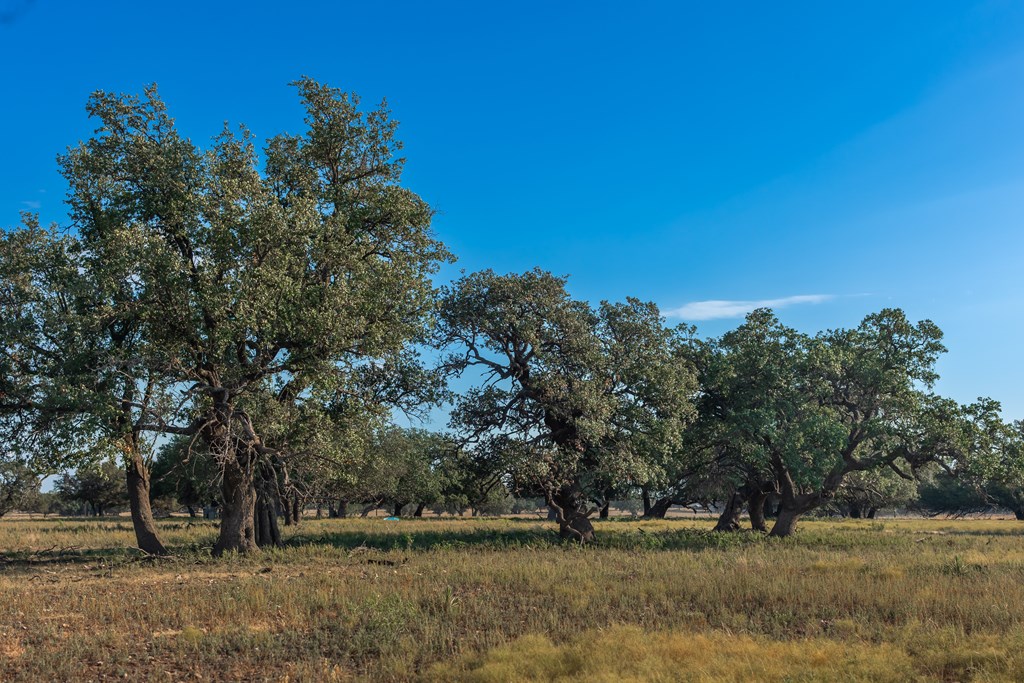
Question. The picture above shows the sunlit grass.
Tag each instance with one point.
(929, 599)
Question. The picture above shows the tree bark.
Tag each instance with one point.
(756, 509)
(419, 510)
(267, 531)
(573, 521)
(343, 509)
(785, 525)
(729, 520)
(398, 509)
(646, 496)
(238, 523)
(146, 536)
(296, 509)
(658, 509)
(604, 511)
(855, 511)
(872, 512)
(268, 499)
(287, 510)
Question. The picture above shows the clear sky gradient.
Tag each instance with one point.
(828, 159)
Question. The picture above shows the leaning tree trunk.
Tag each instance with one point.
(138, 500)
(604, 511)
(419, 510)
(570, 511)
(238, 523)
(756, 509)
(729, 520)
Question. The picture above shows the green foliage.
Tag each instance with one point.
(185, 474)
(101, 486)
(570, 396)
(19, 483)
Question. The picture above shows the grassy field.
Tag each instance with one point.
(503, 600)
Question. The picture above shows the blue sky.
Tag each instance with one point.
(832, 160)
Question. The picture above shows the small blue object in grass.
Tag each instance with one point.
(392, 519)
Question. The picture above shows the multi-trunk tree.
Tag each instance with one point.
(221, 291)
(810, 411)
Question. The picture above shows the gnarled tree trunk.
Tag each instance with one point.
(146, 535)
(268, 498)
(237, 523)
(572, 516)
(729, 520)
(785, 525)
(658, 509)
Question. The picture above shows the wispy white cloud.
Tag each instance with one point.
(32, 205)
(719, 308)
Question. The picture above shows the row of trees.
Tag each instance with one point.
(258, 318)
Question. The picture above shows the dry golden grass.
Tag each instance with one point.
(496, 600)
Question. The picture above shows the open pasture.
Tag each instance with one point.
(505, 600)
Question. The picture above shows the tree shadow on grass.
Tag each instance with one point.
(49, 563)
(521, 537)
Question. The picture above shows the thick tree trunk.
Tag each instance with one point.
(296, 509)
(756, 509)
(604, 511)
(419, 510)
(398, 509)
(785, 525)
(658, 509)
(855, 511)
(267, 532)
(286, 508)
(238, 523)
(268, 499)
(146, 536)
(729, 520)
(343, 509)
(872, 512)
(646, 496)
(571, 514)
(191, 511)
(1018, 513)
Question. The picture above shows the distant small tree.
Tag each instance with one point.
(100, 486)
(862, 494)
(186, 475)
